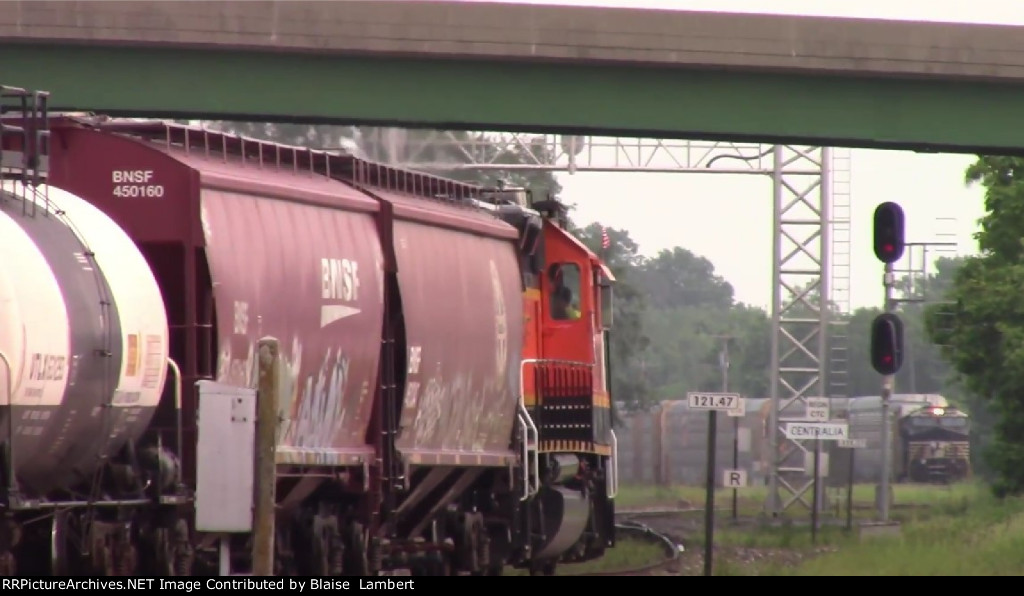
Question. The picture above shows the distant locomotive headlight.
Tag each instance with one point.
(938, 411)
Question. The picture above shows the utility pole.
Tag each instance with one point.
(712, 447)
(266, 465)
(723, 363)
(888, 381)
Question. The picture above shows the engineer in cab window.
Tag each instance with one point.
(562, 306)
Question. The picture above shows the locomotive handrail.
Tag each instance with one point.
(613, 476)
(531, 460)
(9, 385)
(10, 424)
(177, 412)
(524, 432)
(522, 364)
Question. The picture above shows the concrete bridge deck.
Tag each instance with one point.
(534, 32)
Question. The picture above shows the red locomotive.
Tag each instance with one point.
(443, 388)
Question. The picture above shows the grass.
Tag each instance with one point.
(945, 530)
(977, 536)
(750, 501)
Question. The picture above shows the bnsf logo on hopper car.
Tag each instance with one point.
(131, 176)
(339, 279)
(47, 367)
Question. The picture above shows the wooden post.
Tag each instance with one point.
(266, 468)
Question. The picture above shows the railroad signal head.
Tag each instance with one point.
(887, 344)
(888, 232)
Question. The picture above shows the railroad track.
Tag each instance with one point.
(671, 548)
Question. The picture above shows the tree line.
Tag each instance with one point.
(964, 320)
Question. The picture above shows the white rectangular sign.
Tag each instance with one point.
(817, 409)
(740, 410)
(809, 463)
(713, 401)
(734, 478)
(829, 431)
(853, 443)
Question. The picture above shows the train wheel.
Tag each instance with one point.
(8, 566)
(545, 568)
(432, 565)
(124, 552)
(356, 562)
(328, 551)
(491, 570)
(183, 553)
(59, 535)
(321, 559)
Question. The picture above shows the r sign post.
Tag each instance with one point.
(713, 403)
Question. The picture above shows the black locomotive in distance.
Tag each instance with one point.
(935, 445)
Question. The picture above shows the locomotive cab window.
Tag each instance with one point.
(953, 422)
(607, 297)
(924, 422)
(564, 280)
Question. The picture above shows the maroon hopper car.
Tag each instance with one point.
(397, 303)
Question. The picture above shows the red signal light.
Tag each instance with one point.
(888, 232)
(886, 344)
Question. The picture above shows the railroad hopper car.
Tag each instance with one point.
(439, 409)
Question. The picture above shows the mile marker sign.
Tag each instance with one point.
(822, 431)
(713, 401)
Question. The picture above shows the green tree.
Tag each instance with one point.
(677, 277)
(982, 333)
(690, 309)
(683, 353)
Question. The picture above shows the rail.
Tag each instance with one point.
(672, 550)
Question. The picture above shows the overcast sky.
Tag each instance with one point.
(728, 218)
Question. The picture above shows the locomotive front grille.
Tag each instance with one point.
(567, 418)
(924, 450)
